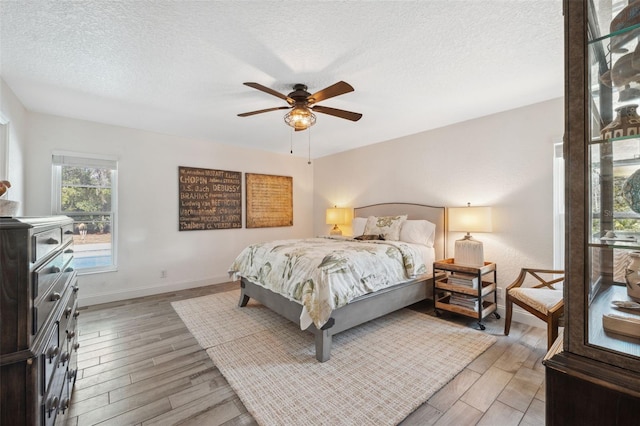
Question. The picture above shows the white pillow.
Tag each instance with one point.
(418, 232)
(357, 226)
(387, 226)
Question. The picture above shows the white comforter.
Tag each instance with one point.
(324, 274)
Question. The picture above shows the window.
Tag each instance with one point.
(558, 207)
(85, 189)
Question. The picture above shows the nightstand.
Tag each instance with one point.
(464, 290)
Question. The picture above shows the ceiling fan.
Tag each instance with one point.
(302, 103)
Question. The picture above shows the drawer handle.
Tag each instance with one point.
(55, 269)
(68, 251)
(69, 269)
(72, 375)
(52, 352)
(52, 241)
(75, 289)
(68, 231)
(52, 404)
(76, 314)
(67, 311)
(64, 358)
(64, 404)
(55, 296)
(76, 346)
(71, 335)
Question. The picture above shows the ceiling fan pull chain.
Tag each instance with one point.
(309, 131)
(291, 140)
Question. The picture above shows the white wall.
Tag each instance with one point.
(13, 114)
(503, 160)
(149, 240)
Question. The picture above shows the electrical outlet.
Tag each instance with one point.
(163, 274)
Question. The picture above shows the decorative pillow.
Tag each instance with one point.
(388, 226)
(358, 224)
(418, 232)
(366, 237)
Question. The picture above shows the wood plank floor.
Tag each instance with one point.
(139, 365)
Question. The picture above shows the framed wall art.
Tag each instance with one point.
(209, 199)
(269, 200)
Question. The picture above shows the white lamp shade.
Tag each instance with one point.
(338, 216)
(470, 219)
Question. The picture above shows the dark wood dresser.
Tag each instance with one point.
(38, 311)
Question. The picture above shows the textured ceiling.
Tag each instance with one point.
(177, 67)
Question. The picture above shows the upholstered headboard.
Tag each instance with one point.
(414, 212)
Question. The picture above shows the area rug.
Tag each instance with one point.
(379, 372)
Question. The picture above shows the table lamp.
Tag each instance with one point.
(468, 250)
(337, 216)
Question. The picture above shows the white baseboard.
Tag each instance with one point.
(98, 299)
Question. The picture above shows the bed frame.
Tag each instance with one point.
(368, 306)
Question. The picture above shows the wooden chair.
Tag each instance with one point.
(543, 300)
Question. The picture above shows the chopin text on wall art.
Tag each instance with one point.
(209, 199)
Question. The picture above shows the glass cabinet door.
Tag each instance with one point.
(592, 376)
(612, 290)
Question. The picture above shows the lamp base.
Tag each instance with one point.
(335, 230)
(469, 252)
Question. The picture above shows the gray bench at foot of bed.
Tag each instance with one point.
(360, 310)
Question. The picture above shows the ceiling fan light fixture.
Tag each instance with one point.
(300, 118)
(302, 104)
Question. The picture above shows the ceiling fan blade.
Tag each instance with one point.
(340, 88)
(348, 115)
(247, 114)
(270, 91)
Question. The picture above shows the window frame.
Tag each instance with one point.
(73, 159)
(558, 205)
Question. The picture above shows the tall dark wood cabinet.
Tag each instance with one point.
(38, 311)
(593, 373)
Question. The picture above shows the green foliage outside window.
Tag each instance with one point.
(620, 205)
(87, 190)
(625, 219)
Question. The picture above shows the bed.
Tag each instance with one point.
(377, 300)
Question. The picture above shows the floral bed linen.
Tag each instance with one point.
(324, 274)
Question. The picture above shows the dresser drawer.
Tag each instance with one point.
(47, 303)
(55, 407)
(67, 258)
(66, 320)
(72, 342)
(69, 336)
(65, 397)
(55, 399)
(45, 242)
(57, 396)
(67, 233)
(49, 359)
(47, 274)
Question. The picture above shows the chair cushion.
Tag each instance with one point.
(538, 298)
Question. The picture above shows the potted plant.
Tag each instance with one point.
(7, 207)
